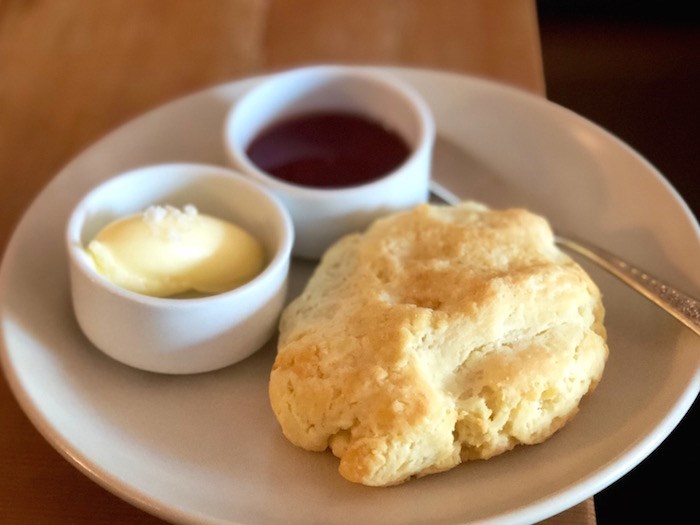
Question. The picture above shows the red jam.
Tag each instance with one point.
(328, 150)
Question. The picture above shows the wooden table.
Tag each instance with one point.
(71, 70)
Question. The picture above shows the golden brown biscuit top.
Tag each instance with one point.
(438, 335)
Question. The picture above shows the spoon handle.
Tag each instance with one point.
(679, 304)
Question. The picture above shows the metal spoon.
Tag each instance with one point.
(679, 304)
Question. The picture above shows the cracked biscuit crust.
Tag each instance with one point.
(439, 335)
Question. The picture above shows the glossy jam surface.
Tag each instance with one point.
(328, 150)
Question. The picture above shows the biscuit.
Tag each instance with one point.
(440, 335)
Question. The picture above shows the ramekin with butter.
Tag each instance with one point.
(179, 268)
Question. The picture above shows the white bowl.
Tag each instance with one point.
(322, 215)
(169, 335)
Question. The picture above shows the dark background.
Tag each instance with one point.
(634, 69)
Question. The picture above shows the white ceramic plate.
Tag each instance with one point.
(207, 449)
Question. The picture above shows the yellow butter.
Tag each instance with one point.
(165, 251)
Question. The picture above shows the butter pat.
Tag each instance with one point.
(165, 251)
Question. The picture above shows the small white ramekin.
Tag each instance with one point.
(180, 336)
(322, 215)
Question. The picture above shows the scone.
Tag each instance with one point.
(439, 335)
